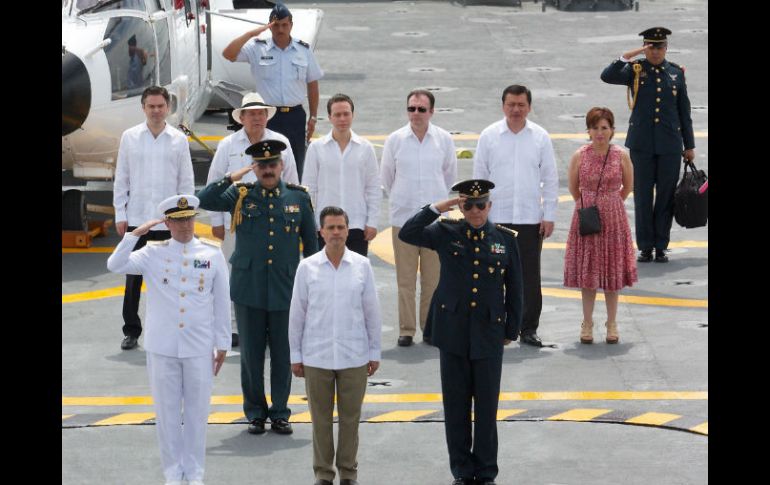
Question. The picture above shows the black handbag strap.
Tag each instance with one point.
(601, 174)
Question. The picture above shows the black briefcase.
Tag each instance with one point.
(691, 198)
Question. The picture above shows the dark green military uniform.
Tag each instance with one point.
(267, 252)
(477, 304)
(660, 125)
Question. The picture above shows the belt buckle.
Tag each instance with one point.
(284, 109)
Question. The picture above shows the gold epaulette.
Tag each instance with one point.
(210, 242)
(296, 187)
(510, 231)
(158, 243)
(449, 220)
(237, 216)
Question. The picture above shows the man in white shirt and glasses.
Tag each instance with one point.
(153, 164)
(517, 155)
(334, 338)
(419, 165)
(341, 170)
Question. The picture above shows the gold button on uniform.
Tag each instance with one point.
(270, 247)
(657, 100)
(657, 110)
(473, 304)
(270, 206)
(491, 269)
(476, 262)
(455, 253)
(659, 89)
(476, 249)
(271, 233)
(443, 306)
(475, 238)
(499, 319)
(271, 219)
(657, 120)
(475, 276)
(658, 79)
(475, 290)
(269, 261)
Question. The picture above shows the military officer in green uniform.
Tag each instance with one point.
(270, 218)
(476, 310)
(660, 125)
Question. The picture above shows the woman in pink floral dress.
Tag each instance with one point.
(606, 259)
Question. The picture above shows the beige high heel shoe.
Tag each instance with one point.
(587, 333)
(612, 332)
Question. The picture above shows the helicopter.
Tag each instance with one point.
(113, 49)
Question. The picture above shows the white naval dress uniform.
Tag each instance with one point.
(188, 317)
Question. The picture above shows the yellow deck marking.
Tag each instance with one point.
(653, 418)
(94, 249)
(474, 136)
(96, 294)
(702, 428)
(305, 417)
(399, 416)
(505, 413)
(424, 397)
(634, 300)
(579, 415)
(125, 418)
(224, 418)
(66, 416)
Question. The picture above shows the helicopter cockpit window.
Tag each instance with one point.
(111, 5)
(131, 55)
(164, 52)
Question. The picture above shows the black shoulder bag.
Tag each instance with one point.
(588, 217)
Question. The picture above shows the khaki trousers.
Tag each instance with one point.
(351, 387)
(408, 259)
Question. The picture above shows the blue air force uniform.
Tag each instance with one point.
(659, 127)
(477, 304)
(269, 225)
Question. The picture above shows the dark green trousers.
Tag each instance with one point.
(257, 329)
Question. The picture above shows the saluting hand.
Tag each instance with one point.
(446, 205)
(633, 53)
(145, 228)
(238, 174)
(261, 29)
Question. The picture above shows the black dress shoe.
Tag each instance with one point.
(660, 256)
(404, 341)
(129, 342)
(426, 340)
(257, 426)
(235, 340)
(531, 339)
(645, 256)
(281, 426)
(348, 481)
(321, 481)
(462, 481)
(485, 482)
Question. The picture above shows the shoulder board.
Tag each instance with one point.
(675, 65)
(248, 185)
(449, 220)
(505, 229)
(296, 187)
(210, 242)
(261, 41)
(303, 43)
(158, 243)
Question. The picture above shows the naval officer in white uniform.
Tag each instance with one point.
(187, 330)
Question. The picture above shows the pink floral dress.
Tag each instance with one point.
(605, 260)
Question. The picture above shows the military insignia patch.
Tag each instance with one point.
(202, 263)
(673, 76)
(497, 248)
(294, 208)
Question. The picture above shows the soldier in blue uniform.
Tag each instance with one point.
(660, 125)
(270, 218)
(284, 70)
(476, 310)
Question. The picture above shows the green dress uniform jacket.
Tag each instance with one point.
(660, 121)
(478, 301)
(267, 247)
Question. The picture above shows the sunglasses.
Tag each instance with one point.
(412, 109)
(479, 205)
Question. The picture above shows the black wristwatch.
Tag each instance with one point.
(229, 178)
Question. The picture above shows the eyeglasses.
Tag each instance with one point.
(421, 109)
(479, 205)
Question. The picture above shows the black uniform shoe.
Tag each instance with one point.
(321, 481)
(348, 481)
(485, 482)
(257, 426)
(531, 339)
(660, 256)
(235, 340)
(404, 341)
(426, 340)
(462, 481)
(281, 426)
(129, 342)
(645, 256)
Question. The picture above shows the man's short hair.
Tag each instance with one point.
(339, 98)
(156, 90)
(333, 211)
(423, 92)
(517, 89)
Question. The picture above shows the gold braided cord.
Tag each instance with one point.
(237, 216)
(632, 99)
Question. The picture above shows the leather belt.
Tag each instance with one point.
(286, 109)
